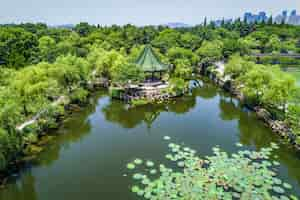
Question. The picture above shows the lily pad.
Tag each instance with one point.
(130, 166)
(278, 189)
(167, 137)
(287, 186)
(149, 163)
(138, 161)
(135, 189)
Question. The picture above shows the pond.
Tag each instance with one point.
(87, 160)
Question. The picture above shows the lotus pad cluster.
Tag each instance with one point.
(243, 175)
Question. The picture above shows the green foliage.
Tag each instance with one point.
(242, 175)
(175, 53)
(47, 48)
(79, 95)
(210, 51)
(116, 92)
(10, 144)
(127, 73)
(256, 82)
(184, 60)
(280, 88)
(83, 28)
(177, 86)
(113, 65)
(237, 66)
(17, 47)
(269, 87)
(274, 44)
(183, 68)
(166, 39)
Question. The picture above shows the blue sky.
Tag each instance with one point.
(139, 12)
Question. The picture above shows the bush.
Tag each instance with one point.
(79, 95)
(116, 92)
(177, 86)
(10, 145)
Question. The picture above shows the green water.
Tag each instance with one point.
(88, 158)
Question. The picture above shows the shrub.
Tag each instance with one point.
(79, 95)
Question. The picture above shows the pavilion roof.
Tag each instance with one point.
(149, 61)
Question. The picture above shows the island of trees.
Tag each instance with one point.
(44, 70)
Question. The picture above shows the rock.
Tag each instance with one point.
(263, 114)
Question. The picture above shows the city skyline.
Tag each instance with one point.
(141, 12)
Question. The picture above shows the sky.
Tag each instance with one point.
(138, 12)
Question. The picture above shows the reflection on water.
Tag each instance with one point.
(130, 117)
(88, 157)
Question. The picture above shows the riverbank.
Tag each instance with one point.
(217, 75)
(35, 132)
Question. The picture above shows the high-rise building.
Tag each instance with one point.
(293, 18)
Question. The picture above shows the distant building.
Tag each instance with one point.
(293, 19)
(250, 18)
(177, 25)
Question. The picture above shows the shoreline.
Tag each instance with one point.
(277, 126)
(44, 135)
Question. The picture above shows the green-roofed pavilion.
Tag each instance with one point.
(150, 63)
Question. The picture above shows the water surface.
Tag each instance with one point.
(88, 158)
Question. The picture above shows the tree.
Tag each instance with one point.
(248, 44)
(205, 22)
(69, 44)
(47, 47)
(280, 89)
(237, 67)
(190, 41)
(166, 39)
(135, 51)
(183, 68)
(78, 65)
(255, 83)
(17, 47)
(34, 89)
(230, 47)
(10, 110)
(175, 53)
(10, 146)
(274, 44)
(83, 29)
(123, 73)
(210, 51)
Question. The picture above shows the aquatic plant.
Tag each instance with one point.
(242, 175)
